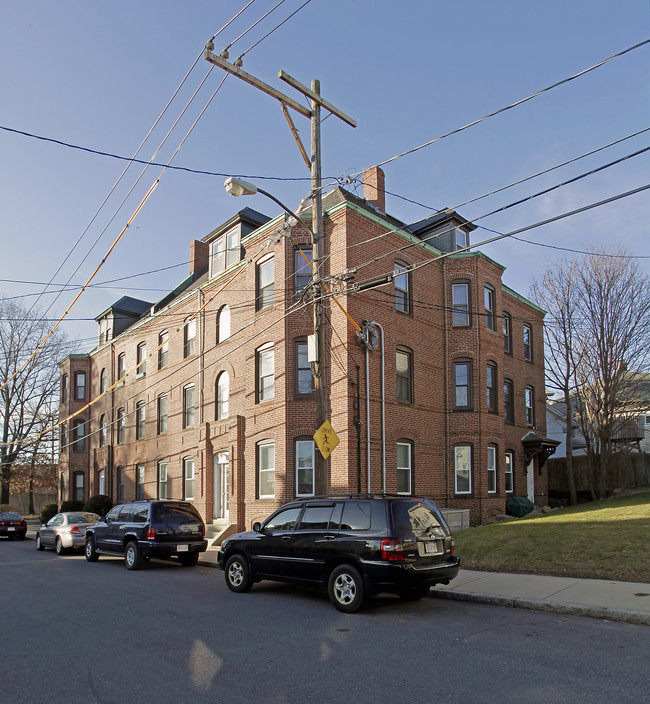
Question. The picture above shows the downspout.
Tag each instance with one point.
(367, 420)
(383, 413)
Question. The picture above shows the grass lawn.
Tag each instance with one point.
(607, 539)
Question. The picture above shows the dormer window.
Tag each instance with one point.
(225, 251)
(462, 238)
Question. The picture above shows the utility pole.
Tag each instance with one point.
(321, 388)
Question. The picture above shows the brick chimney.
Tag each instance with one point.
(199, 257)
(374, 184)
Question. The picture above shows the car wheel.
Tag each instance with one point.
(345, 588)
(413, 593)
(39, 545)
(189, 560)
(238, 576)
(59, 547)
(91, 553)
(132, 556)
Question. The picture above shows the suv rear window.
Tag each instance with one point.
(417, 519)
(356, 515)
(176, 513)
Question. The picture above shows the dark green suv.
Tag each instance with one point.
(142, 529)
(354, 546)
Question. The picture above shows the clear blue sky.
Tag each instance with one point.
(99, 74)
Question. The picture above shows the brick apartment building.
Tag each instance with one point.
(208, 393)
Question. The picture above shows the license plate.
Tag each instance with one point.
(10, 528)
(182, 548)
(431, 548)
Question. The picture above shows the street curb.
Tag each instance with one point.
(600, 612)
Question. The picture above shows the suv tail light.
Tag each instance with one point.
(151, 533)
(75, 530)
(392, 550)
(453, 546)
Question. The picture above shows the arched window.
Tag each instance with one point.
(103, 381)
(141, 357)
(121, 426)
(103, 430)
(163, 349)
(223, 395)
(140, 410)
(223, 324)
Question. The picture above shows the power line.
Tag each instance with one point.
(509, 107)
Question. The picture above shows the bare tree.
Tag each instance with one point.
(614, 345)
(557, 293)
(25, 395)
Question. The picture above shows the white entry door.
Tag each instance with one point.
(221, 471)
(530, 480)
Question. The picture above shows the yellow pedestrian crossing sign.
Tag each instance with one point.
(326, 439)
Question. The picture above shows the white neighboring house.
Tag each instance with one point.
(633, 433)
(556, 429)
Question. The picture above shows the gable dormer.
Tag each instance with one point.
(447, 231)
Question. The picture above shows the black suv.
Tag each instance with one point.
(143, 529)
(354, 545)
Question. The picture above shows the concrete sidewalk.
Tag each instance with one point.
(628, 602)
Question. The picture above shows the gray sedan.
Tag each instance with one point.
(65, 530)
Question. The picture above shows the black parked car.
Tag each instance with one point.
(143, 529)
(355, 546)
(13, 525)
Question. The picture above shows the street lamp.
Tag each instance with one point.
(238, 187)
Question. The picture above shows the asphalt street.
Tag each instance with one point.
(96, 633)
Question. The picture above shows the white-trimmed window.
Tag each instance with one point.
(530, 406)
(304, 376)
(189, 337)
(490, 311)
(188, 406)
(223, 324)
(103, 381)
(139, 481)
(121, 366)
(463, 469)
(79, 386)
(265, 282)
(462, 238)
(163, 349)
(491, 386)
(402, 279)
(225, 251)
(140, 417)
(492, 469)
(305, 467)
(162, 479)
(507, 333)
(141, 360)
(265, 359)
(404, 468)
(460, 304)
(101, 482)
(302, 269)
(508, 472)
(266, 469)
(528, 342)
(188, 478)
(161, 424)
(79, 490)
(223, 396)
